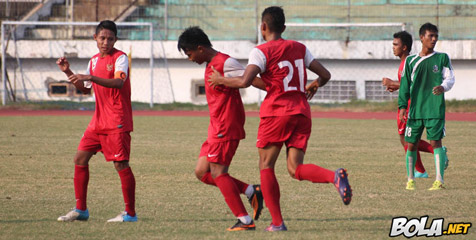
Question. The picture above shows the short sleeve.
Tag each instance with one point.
(88, 84)
(122, 64)
(232, 68)
(308, 58)
(257, 58)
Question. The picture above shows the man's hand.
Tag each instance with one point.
(402, 115)
(215, 79)
(311, 89)
(79, 78)
(438, 90)
(389, 84)
(63, 64)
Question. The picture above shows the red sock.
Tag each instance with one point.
(270, 189)
(425, 147)
(314, 173)
(81, 179)
(231, 193)
(207, 179)
(128, 183)
(418, 164)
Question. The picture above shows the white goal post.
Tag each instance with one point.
(9, 27)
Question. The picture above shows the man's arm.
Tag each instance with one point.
(120, 75)
(110, 83)
(390, 85)
(323, 77)
(63, 65)
(448, 78)
(259, 83)
(235, 82)
(232, 68)
(404, 92)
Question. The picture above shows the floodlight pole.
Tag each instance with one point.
(151, 64)
(4, 74)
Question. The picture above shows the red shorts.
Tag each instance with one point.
(115, 147)
(401, 126)
(219, 152)
(293, 130)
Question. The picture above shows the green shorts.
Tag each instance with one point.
(435, 129)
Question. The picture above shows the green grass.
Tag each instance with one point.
(36, 182)
(352, 106)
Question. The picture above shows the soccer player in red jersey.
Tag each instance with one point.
(285, 113)
(109, 130)
(402, 45)
(226, 129)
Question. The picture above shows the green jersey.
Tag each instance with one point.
(419, 76)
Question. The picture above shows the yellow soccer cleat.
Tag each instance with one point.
(411, 185)
(437, 185)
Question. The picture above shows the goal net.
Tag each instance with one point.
(30, 50)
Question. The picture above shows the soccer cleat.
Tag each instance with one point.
(256, 201)
(437, 185)
(239, 226)
(411, 185)
(342, 184)
(75, 214)
(123, 217)
(273, 228)
(447, 161)
(420, 175)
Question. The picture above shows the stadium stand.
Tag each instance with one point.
(237, 20)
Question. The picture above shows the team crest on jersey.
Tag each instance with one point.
(94, 61)
(109, 67)
(435, 69)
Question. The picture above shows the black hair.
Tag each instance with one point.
(107, 24)
(427, 27)
(274, 17)
(191, 38)
(406, 39)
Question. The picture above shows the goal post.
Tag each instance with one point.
(27, 76)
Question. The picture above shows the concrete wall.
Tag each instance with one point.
(358, 61)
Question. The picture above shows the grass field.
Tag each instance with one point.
(36, 182)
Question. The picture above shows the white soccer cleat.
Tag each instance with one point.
(75, 214)
(123, 217)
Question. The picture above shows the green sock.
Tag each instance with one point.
(440, 157)
(411, 159)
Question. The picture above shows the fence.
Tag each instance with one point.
(29, 71)
(238, 19)
(338, 32)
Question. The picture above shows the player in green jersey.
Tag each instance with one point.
(425, 78)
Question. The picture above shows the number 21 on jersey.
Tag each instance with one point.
(299, 65)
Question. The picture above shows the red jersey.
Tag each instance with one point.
(113, 111)
(227, 115)
(400, 69)
(283, 69)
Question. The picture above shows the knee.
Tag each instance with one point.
(292, 173)
(214, 173)
(80, 161)
(411, 147)
(199, 173)
(121, 165)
